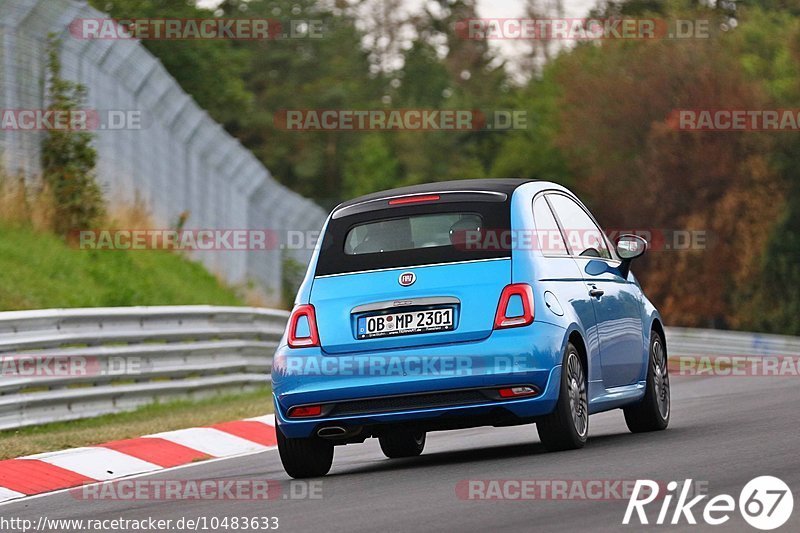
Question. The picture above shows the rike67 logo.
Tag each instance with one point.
(765, 503)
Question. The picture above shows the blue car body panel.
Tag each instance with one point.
(613, 329)
(503, 359)
(335, 297)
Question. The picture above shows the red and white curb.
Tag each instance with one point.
(47, 472)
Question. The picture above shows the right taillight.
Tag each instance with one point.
(516, 392)
(522, 291)
(302, 332)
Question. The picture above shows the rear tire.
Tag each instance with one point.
(301, 458)
(398, 444)
(567, 427)
(652, 413)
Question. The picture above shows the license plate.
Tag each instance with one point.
(406, 323)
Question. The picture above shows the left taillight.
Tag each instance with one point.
(302, 332)
(505, 317)
(305, 411)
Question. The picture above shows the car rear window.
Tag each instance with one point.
(412, 235)
(412, 232)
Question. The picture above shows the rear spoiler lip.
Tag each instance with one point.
(445, 197)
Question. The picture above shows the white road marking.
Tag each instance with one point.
(210, 441)
(96, 463)
(8, 494)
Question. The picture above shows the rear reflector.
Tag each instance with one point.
(525, 293)
(414, 199)
(302, 315)
(305, 411)
(516, 392)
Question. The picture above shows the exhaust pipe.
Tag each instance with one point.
(333, 432)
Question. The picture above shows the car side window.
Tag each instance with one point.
(548, 237)
(583, 236)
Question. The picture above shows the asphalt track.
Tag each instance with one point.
(724, 432)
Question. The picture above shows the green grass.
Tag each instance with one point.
(144, 421)
(39, 270)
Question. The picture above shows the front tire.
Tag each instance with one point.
(567, 427)
(398, 444)
(302, 458)
(652, 413)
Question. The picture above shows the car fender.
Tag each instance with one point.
(652, 321)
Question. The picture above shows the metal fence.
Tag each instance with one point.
(180, 161)
(107, 360)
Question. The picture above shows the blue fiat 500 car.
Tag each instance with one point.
(461, 304)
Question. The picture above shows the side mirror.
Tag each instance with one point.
(629, 247)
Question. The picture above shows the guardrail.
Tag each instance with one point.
(711, 342)
(105, 360)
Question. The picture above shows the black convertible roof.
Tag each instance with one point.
(490, 199)
(504, 185)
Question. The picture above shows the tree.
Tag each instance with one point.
(637, 170)
(767, 43)
(370, 166)
(211, 71)
(304, 73)
(68, 158)
(532, 152)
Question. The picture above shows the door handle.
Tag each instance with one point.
(596, 292)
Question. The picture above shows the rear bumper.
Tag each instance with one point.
(385, 381)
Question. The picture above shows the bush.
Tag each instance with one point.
(68, 157)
